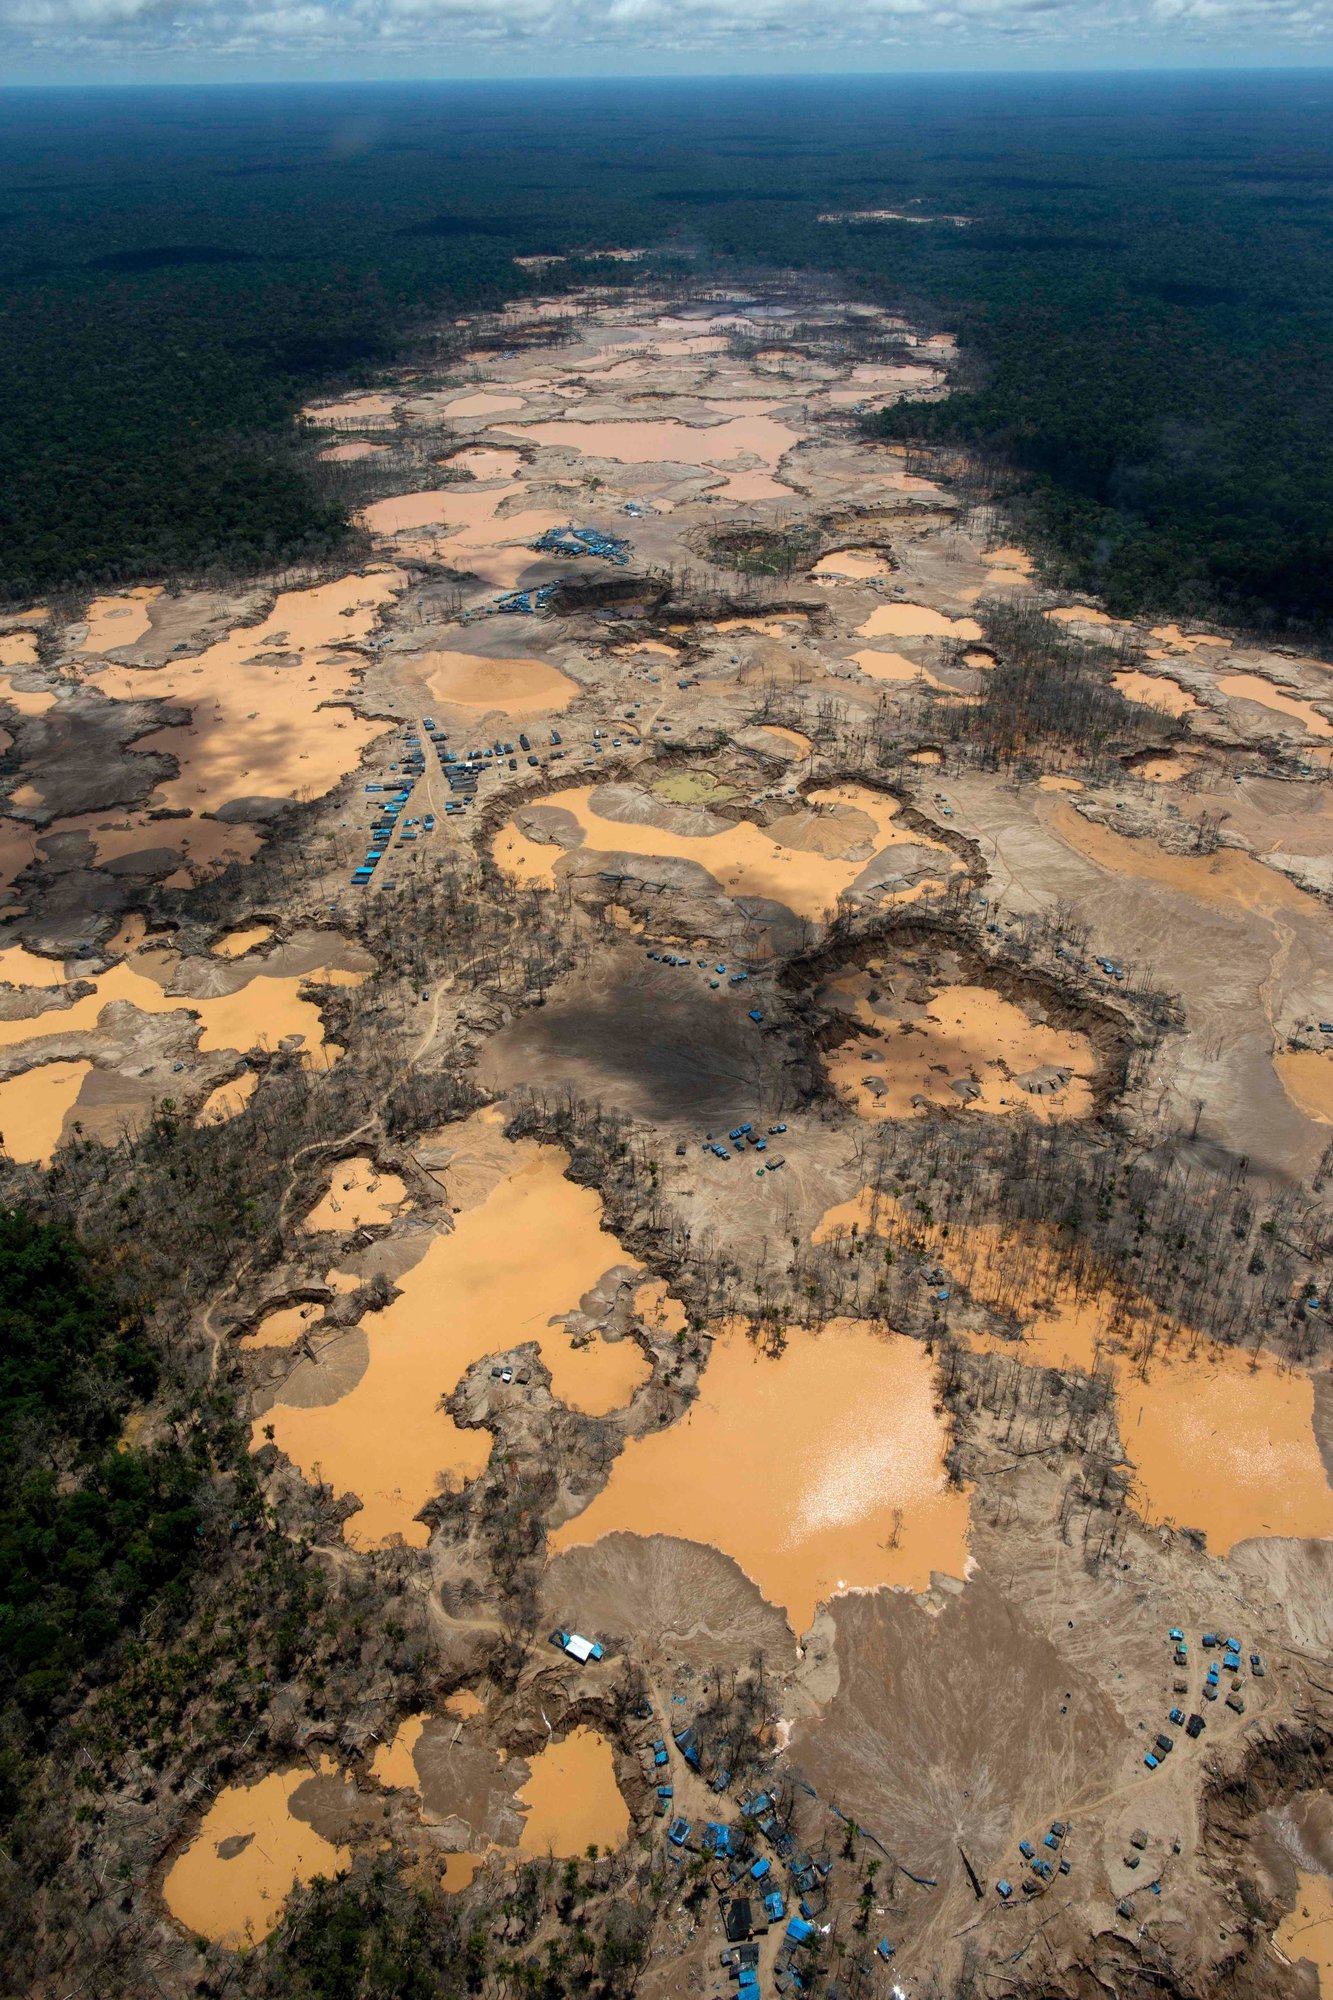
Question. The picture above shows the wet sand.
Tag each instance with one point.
(237, 1898)
(848, 1417)
(525, 1255)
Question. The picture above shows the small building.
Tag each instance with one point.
(736, 1920)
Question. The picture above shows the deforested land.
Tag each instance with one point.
(666, 1048)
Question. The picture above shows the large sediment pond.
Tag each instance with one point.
(1220, 1439)
(231, 1882)
(819, 1469)
(806, 859)
(500, 1278)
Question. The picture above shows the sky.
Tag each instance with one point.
(160, 41)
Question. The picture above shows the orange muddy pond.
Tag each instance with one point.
(264, 1011)
(510, 1267)
(1220, 1438)
(266, 721)
(512, 687)
(235, 944)
(348, 454)
(35, 1106)
(802, 860)
(487, 461)
(849, 1416)
(1307, 1077)
(969, 1035)
(1186, 642)
(228, 1100)
(649, 441)
(1155, 691)
(119, 621)
(1307, 1932)
(1163, 770)
(916, 621)
(1253, 687)
(571, 1799)
(237, 1896)
(375, 410)
(879, 666)
(19, 649)
(850, 566)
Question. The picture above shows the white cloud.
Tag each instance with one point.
(440, 37)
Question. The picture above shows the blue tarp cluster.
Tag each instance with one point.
(575, 542)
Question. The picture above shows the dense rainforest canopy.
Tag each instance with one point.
(93, 1527)
(1142, 288)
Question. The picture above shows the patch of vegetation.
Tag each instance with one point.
(752, 550)
(92, 1532)
(693, 788)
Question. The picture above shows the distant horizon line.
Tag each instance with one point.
(1296, 69)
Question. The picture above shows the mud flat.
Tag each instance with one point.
(509, 687)
(848, 1414)
(231, 1882)
(507, 1272)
